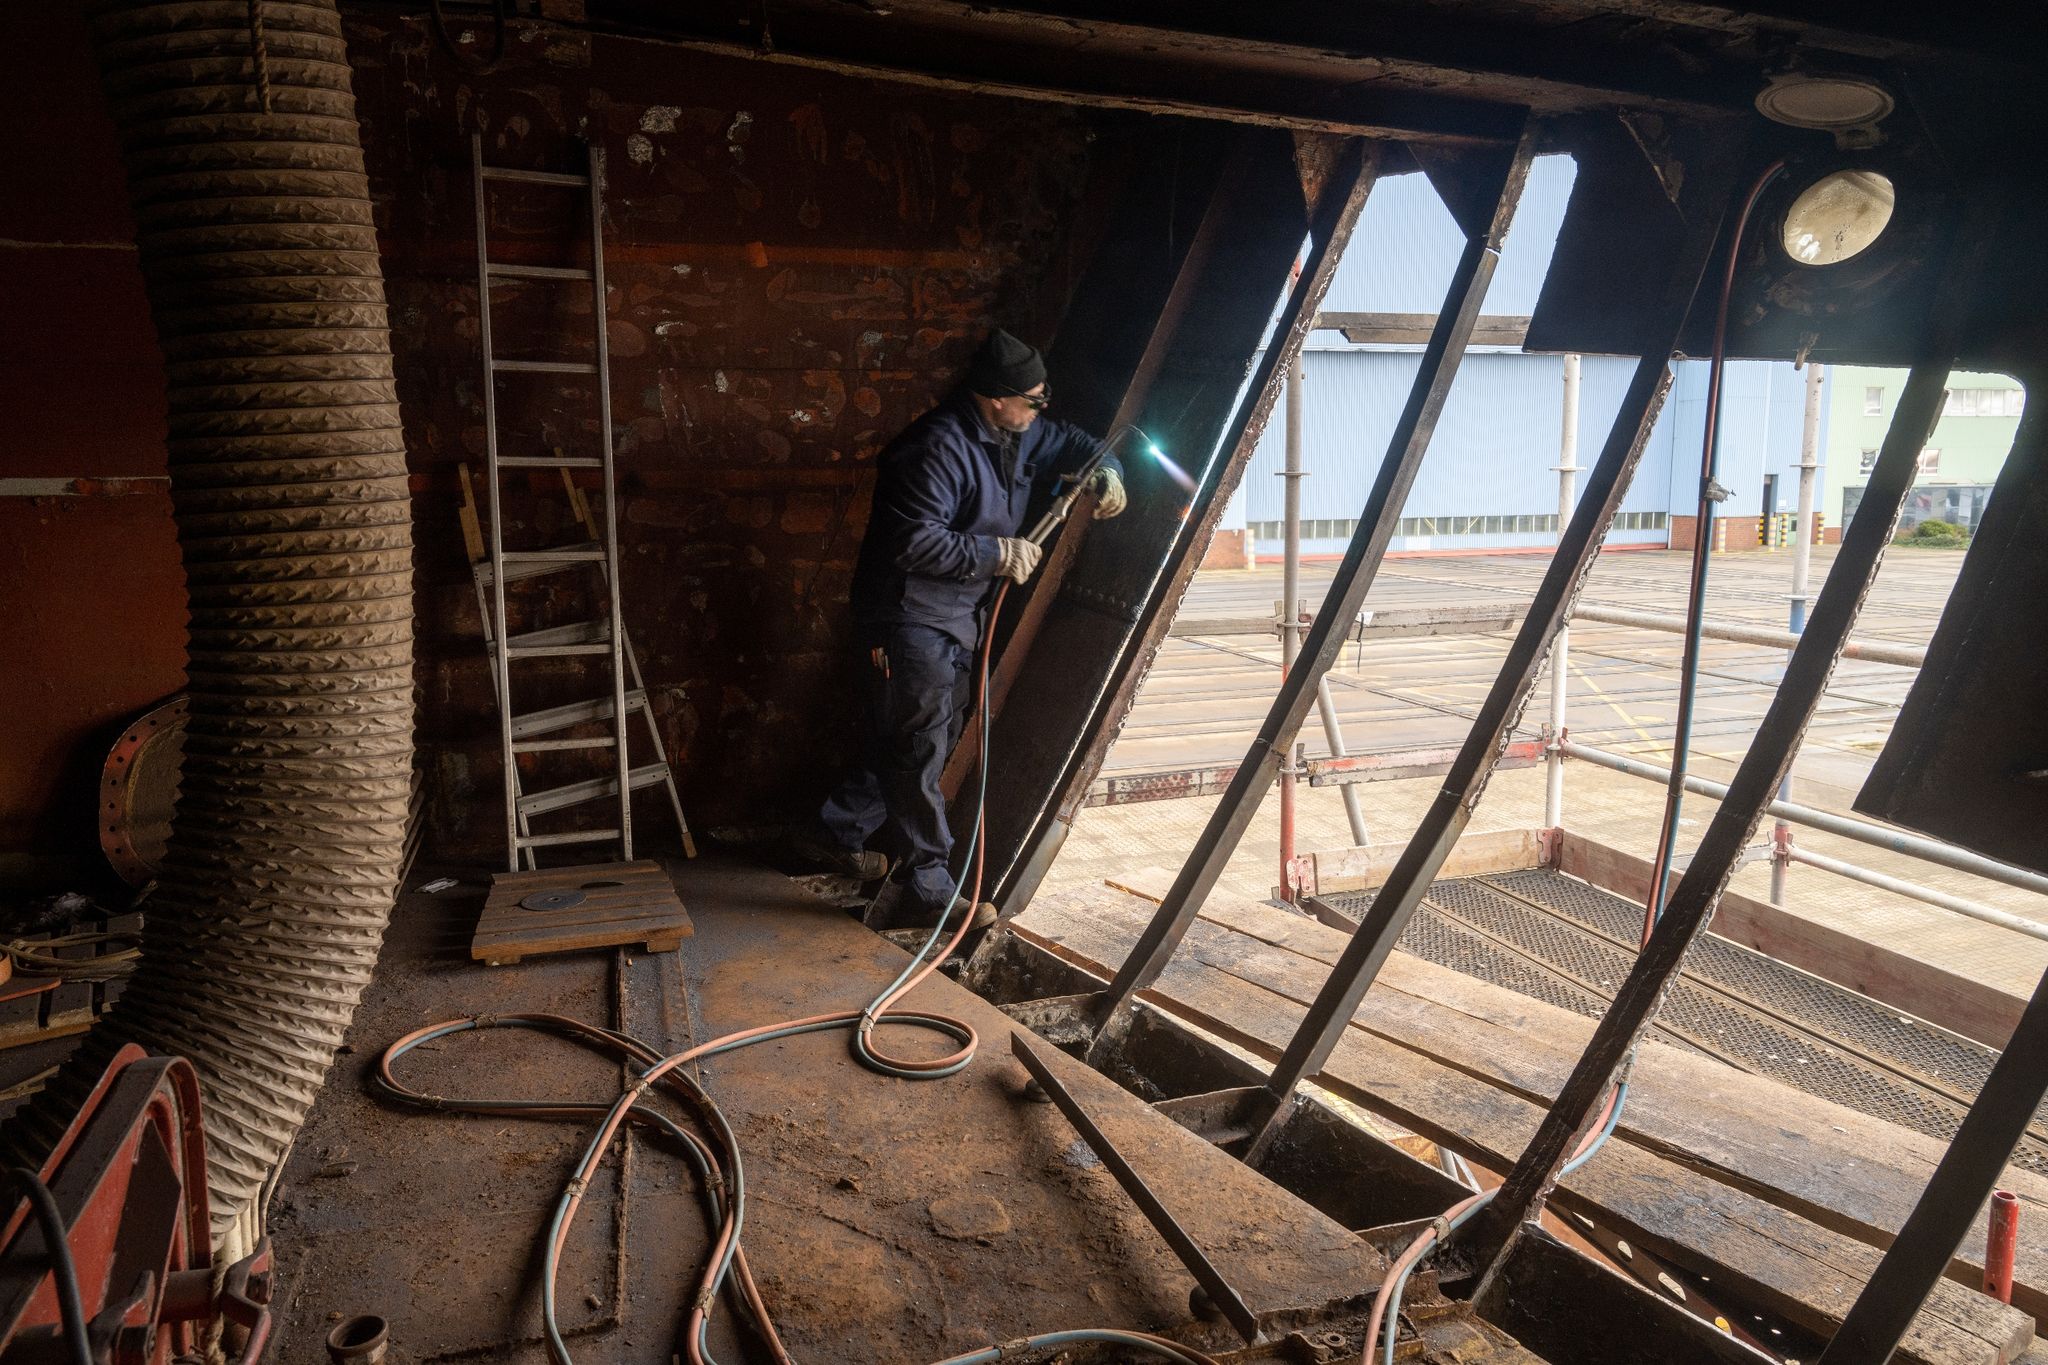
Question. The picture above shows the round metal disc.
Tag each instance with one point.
(553, 900)
(139, 790)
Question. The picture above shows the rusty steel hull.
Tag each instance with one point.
(887, 1220)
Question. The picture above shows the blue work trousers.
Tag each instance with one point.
(916, 695)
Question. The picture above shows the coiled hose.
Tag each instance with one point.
(713, 1150)
(253, 221)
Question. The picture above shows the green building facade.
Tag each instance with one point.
(1959, 464)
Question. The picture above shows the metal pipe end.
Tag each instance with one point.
(361, 1340)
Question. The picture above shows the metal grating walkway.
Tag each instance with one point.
(1548, 936)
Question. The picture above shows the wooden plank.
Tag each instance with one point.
(1972, 1008)
(1366, 869)
(472, 530)
(1836, 1166)
(1413, 329)
(1792, 1267)
(623, 904)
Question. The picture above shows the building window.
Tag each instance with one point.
(1930, 461)
(1867, 461)
(1984, 403)
(1873, 401)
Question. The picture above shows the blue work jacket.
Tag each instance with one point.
(946, 490)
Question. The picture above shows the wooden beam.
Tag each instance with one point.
(1957, 1003)
(1413, 329)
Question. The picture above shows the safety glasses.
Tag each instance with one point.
(1037, 402)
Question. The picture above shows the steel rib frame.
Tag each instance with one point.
(1967, 1173)
(1330, 225)
(1492, 1231)
(1326, 635)
(1424, 856)
(1220, 1291)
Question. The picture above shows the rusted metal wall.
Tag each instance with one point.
(91, 596)
(799, 264)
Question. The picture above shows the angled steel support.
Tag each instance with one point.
(1970, 1169)
(1195, 406)
(1325, 640)
(1755, 783)
(1227, 1300)
(1437, 835)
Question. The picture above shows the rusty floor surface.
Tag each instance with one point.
(888, 1221)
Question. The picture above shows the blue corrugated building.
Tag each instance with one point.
(1488, 481)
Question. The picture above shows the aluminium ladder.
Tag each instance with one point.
(495, 566)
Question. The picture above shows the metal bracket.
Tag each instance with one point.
(1224, 1117)
(1062, 1020)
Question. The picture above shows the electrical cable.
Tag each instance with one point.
(1702, 553)
(715, 1154)
(1386, 1309)
(44, 957)
(501, 14)
(63, 1269)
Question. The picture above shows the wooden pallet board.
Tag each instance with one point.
(1831, 1165)
(1223, 980)
(620, 904)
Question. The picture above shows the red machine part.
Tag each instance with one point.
(129, 1180)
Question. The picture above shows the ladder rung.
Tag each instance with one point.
(581, 836)
(564, 555)
(511, 271)
(515, 570)
(573, 713)
(542, 746)
(557, 651)
(562, 178)
(549, 462)
(579, 637)
(596, 788)
(543, 367)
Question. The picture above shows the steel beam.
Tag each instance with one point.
(1376, 525)
(1227, 1300)
(1970, 1169)
(1437, 835)
(1770, 756)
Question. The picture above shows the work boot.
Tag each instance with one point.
(984, 914)
(897, 907)
(828, 857)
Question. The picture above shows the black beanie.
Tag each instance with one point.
(1004, 366)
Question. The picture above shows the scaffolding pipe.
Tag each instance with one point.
(1802, 561)
(1291, 475)
(2001, 1245)
(1561, 650)
(1333, 733)
(1976, 910)
(1862, 831)
(1869, 651)
(1809, 468)
(1291, 626)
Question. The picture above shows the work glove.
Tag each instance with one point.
(1110, 498)
(1019, 558)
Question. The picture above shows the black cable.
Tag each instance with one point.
(70, 1304)
(1710, 493)
(501, 12)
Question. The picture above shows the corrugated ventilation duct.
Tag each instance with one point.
(245, 167)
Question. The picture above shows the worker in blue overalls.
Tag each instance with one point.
(950, 498)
